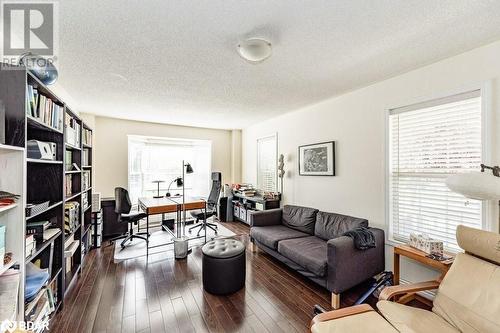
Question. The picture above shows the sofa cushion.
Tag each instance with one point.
(407, 319)
(308, 252)
(331, 225)
(271, 235)
(300, 218)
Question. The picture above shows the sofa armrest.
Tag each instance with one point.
(392, 291)
(264, 218)
(345, 312)
(348, 266)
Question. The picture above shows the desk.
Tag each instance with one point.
(421, 257)
(153, 206)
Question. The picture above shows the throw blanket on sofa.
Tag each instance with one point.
(363, 238)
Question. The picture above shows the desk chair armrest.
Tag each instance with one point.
(390, 292)
(345, 312)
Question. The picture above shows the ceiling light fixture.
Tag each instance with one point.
(255, 50)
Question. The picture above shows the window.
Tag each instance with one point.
(152, 158)
(267, 163)
(427, 143)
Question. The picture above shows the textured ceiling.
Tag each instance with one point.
(175, 61)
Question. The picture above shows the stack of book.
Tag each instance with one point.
(30, 244)
(86, 179)
(97, 226)
(68, 185)
(73, 129)
(70, 247)
(85, 200)
(40, 298)
(87, 137)
(44, 109)
(71, 216)
(37, 229)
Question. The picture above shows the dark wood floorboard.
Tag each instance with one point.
(162, 294)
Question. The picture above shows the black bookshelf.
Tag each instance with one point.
(46, 180)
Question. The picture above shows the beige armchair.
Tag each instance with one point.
(467, 299)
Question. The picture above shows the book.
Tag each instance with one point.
(69, 160)
(49, 233)
(71, 216)
(43, 109)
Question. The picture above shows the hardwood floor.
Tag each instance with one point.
(166, 295)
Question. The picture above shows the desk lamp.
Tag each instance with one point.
(179, 182)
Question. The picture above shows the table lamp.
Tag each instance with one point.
(158, 191)
(179, 182)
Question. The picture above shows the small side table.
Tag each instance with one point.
(421, 257)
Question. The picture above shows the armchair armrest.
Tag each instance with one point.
(345, 312)
(392, 291)
(348, 266)
(264, 218)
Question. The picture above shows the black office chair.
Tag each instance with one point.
(211, 210)
(123, 207)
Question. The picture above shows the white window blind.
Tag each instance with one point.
(153, 158)
(267, 163)
(428, 142)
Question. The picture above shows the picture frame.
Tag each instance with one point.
(317, 159)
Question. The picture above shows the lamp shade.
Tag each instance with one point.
(179, 182)
(475, 185)
(189, 168)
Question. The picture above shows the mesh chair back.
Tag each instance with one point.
(215, 191)
(123, 205)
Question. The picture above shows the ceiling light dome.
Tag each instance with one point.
(255, 50)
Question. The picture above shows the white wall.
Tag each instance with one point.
(111, 148)
(357, 122)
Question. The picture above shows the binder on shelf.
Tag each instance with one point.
(68, 185)
(68, 160)
(86, 179)
(87, 137)
(85, 157)
(73, 129)
(71, 216)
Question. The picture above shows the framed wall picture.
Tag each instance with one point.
(317, 159)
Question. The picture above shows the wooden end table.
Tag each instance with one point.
(421, 257)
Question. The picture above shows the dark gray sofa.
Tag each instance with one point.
(310, 242)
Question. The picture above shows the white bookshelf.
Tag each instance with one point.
(13, 179)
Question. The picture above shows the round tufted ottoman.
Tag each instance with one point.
(223, 266)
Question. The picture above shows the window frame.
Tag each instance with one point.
(489, 208)
(275, 136)
(207, 142)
